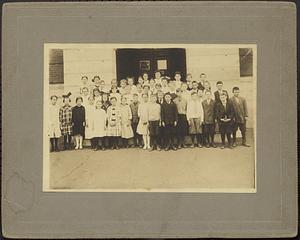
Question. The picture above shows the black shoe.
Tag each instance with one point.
(174, 148)
(207, 145)
(213, 145)
(245, 145)
(167, 148)
(222, 147)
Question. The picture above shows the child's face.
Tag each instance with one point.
(145, 76)
(208, 95)
(223, 98)
(98, 104)
(140, 80)
(153, 99)
(157, 75)
(195, 85)
(84, 80)
(85, 91)
(67, 101)
(164, 82)
(123, 84)
(146, 89)
(206, 85)
(168, 98)
(114, 82)
(124, 100)
(160, 95)
(97, 81)
(145, 98)
(177, 77)
(152, 83)
(113, 102)
(130, 81)
(91, 101)
(202, 78)
(172, 86)
(189, 78)
(219, 86)
(236, 93)
(158, 87)
(200, 93)
(184, 87)
(79, 102)
(53, 100)
(127, 89)
(135, 98)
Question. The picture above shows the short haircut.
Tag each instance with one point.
(79, 98)
(123, 97)
(235, 88)
(85, 88)
(91, 97)
(158, 85)
(123, 80)
(202, 74)
(135, 95)
(166, 94)
(193, 93)
(219, 82)
(53, 96)
(146, 85)
(96, 77)
(96, 90)
(113, 98)
(194, 82)
(144, 94)
(177, 72)
(189, 74)
(84, 77)
(223, 93)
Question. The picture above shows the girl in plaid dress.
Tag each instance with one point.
(65, 120)
(114, 123)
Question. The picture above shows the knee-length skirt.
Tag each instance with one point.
(142, 128)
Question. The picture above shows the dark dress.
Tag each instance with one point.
(78, 119)
(169, 115)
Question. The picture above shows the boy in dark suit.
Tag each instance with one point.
(240, 116)
(224, 115)
(219, 91)
(169, 119)
(209, 119)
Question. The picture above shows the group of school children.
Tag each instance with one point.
(157, 113)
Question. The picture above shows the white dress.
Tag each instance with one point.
(126, 117)
(142, 127)
(54, 129)
(89, 110)
(99, 123)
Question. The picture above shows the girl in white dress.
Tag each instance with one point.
(54, 125)
(99, 125)
(89, 114)
(126, 117)
(143, 122)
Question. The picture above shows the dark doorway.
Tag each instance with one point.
(133, 62)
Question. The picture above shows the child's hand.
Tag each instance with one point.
(163, 123)
(175, 123)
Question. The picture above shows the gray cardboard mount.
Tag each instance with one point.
(28, 212)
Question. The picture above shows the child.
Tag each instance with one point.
(134, 106)
(96, 80)
(240, 116)
(201, 81)
(142, 127)
(130, 81)
(157, 77)
(154, 122)
(224, 116)
(160, 101)
(85, 94)
(102, 87)
(219, 91)
(126, 117)
(140, 90)
(165, 85)
(105, 101)
(54, 131)
(200, 94)
(178, 81)
(152, 88)
(182, 125)
(98, 124)
(89, 114)
(194, 114)
(65, 120)
(128, 94)
(145, 77)
(123, 84)
(169, 118)
(158, 87)
(195, 87)
(114, 83)
(206, 86)
(172, 88)
(78, 121)
(146, 90)
(97, 95)
(114, 123)
(209, 120)
(141, 81)
(185, 92)
(114, 92)
(189, 81)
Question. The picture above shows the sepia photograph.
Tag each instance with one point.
(149, 117)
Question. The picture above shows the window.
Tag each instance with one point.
(56, 66)
(246, 62)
